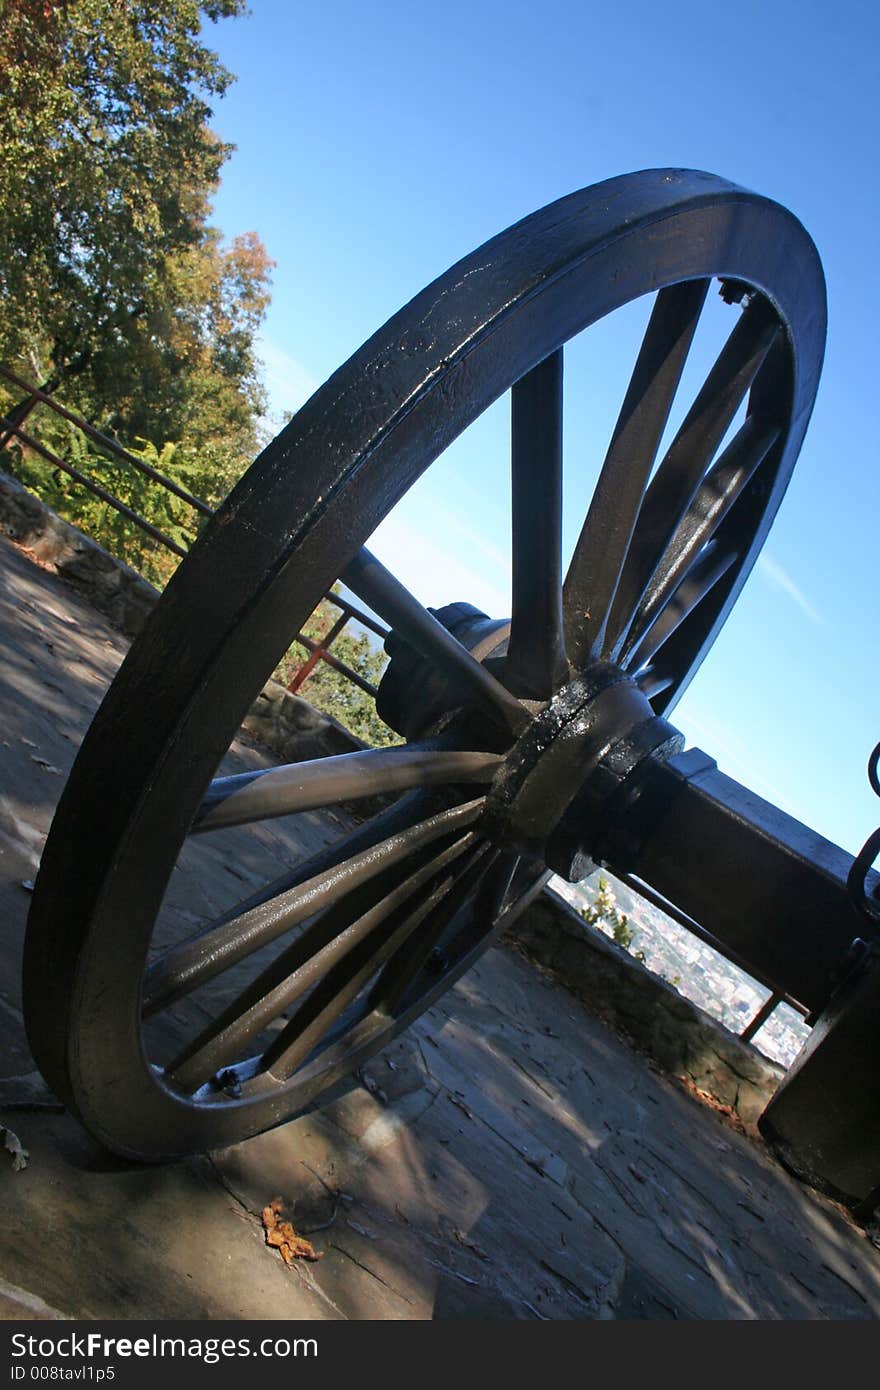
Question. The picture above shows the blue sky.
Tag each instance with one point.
(378, 143)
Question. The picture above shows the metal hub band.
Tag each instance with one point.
(595, 733)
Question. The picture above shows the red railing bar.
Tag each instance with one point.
(320, 652)
(337, 665)
(761, 1016)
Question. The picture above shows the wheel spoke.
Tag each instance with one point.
(323, 944)
(281, 791)
(602, 546)
(403, 814)
(325, 1005)
(503, 884)
(705, 573)
(716, 495)
(536, 664)
(403, 968)
(672, 490)
(191, 964)
(379, 590)
(652, 681)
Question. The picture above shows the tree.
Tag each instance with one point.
(110, 276)
(116, 289)
(603, 912)
(186, 370)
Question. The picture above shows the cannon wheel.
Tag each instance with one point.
(396, 911)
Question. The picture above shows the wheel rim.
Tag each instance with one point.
(297, 521)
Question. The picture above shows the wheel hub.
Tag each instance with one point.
(577, 769)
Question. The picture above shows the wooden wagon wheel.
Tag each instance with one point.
(374, 928)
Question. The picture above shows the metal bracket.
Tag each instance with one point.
(824, 1121)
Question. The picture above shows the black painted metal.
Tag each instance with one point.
(399, 909)
(696, 929)
(603, 545)
(591, 740)
(864, 900)
(216, 948)
(333, 937)
(95, 488)
(536, 664)
(673, 488)
(713, 500)
(824, 1121)
(759, 881)
(379, 589)
(284, 791)
(414, 694)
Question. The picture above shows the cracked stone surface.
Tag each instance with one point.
(508, 1157)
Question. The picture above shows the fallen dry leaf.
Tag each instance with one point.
(282, 1237)
(724, 1112)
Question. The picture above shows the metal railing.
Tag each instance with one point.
(12, 427)
(319, 651)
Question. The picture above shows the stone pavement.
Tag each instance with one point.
(508, 1157)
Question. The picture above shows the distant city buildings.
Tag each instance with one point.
(695, 970)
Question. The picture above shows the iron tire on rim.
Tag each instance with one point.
(284, 535)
